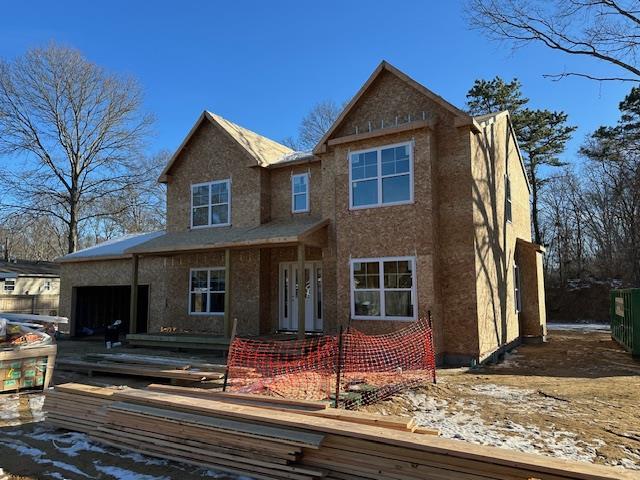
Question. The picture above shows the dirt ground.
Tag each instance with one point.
(576, 396)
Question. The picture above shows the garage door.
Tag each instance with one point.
(97, 307)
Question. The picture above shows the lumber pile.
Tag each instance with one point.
(173, 371)
(277, 439)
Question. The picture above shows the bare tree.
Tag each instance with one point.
(314, 125)
(76, 131)
(606, 30)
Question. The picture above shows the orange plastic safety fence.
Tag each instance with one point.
(361, 369)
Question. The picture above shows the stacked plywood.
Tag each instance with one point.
(274, 439)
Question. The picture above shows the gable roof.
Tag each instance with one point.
(386, 66)
(263, 150)
(488, 118)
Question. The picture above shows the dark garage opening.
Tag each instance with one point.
(97, 307)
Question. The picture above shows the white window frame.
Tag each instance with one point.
(508, 204)
(379, 176)
(209, 224)
(293, 194)
(209, 292)
(381, 289)
(13, 285)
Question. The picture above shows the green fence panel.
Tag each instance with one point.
(625, 318)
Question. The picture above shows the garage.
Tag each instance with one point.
(96, 307)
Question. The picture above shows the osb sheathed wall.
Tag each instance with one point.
(533, 318)
(112, 273)
(212, 155)
(168, 280)
(495, 156)
(401, 230)
(244, 293)
(281, 190)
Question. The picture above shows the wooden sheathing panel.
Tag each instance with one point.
(494, 158)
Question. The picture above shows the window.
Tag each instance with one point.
(517, 290)
(382, 176)
(206, 291)
(211, 204)
(507, 198)
(383, 288)
(300, 193)
(47, 285)
(9, 284)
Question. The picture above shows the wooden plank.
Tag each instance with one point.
(427, 443)
(179, 363)
(318, 409)
(238, 456)
(203, 433)
(245, 449)
(137, 370)
(377, 453)
(168, 455)
(89, 390)
(276, 434)
(242, 397)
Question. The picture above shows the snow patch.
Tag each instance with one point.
(37, 456)
(124, 474)
(582, 327)
(462, 421)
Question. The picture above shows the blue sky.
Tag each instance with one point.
(263, 64)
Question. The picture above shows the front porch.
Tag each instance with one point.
(206, 279)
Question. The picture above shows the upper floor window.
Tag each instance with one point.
(507, 199)
(9, 284)
(211, 204)
(300, 193)
(383, 288)
(46, 286)
(381, 176)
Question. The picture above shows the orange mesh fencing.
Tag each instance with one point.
(350, 369)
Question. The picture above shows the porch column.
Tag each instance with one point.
(133, 299)
(227, 292)
(301, 291)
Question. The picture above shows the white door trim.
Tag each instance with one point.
(285, 320)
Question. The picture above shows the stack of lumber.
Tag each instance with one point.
(139, 365)
(78, 407)
(275, 439)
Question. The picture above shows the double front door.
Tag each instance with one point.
(289, 290)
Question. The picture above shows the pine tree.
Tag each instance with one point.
(542, 134)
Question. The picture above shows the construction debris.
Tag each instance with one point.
(276, 439)
(27, 356)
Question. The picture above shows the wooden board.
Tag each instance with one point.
(275, 434)
(137, 370)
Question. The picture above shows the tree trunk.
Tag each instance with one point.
(534, 207)
(73, 222)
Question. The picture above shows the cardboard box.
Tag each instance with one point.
(10, 373)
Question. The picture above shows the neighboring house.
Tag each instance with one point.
(408, 205)
(29, 287)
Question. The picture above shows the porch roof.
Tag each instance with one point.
(276, 232)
